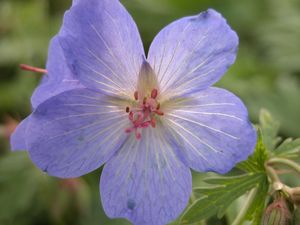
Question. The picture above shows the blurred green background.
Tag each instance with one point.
(266, 74)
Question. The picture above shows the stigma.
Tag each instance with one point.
(144, 113)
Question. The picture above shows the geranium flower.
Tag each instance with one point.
(149, 119)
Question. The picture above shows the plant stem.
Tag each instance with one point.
(277, 184)
(192, 200)
(293, 165)
(272, 174)
(239, 219)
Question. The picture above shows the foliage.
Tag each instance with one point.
(216, 199)
(224, 190)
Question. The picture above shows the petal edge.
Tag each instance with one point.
(193, 53)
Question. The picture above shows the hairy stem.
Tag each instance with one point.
(293, 165)
(239, 219)
(276, 183)
(192, 200)
(272, 173)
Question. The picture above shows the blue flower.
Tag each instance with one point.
(149, 119)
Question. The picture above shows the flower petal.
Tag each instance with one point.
(75, 132)
(74, 2)
(59, 77)
(193, 53)
(145, 182)
(212, 130)
(103, 46)
(17, 139)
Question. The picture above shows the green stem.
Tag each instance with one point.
(277, 184)
(293, 165)
(239, 219)
(272, 174)
(192, 200)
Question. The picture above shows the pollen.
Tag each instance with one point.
(145, 114)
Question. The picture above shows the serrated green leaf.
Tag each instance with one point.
(256, 209)
(289, 148)
(269, 128)
(216, 199)
(256, 162)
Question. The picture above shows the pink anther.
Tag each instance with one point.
(154, 93)
(144, 115)
(158, 112)
(153, 122)
(158, 106)
(140, 118)
(136, 95)
(145, 124)
(131, 116)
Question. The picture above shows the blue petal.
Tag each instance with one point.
(145, 182)
(211, 130)
(17, 139)
(59, 77)
(103, 46)
(193, 53)
(74, 2)
(75, 132)
(57, 80)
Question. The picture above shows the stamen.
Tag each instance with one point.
(145, 124)
(158, 112)
(131, 116)
(154, 93)
(32, 69)
(136, 95)
(158, 106)
(153, 122)
(144, 114)
(139, 120)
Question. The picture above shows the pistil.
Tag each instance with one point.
(144, 115)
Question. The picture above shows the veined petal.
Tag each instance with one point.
(193, 53)
(75, 132)
(103, 46)
(17, 139)
(59, 77)
(74, 2)
(57, 80)
(211, 130)
(145, 182)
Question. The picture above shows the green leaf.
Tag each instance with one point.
(269, 129)
(289, 148)
(256, 162)
(217, 198)
(256, 209)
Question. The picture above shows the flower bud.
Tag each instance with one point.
(277, 213)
